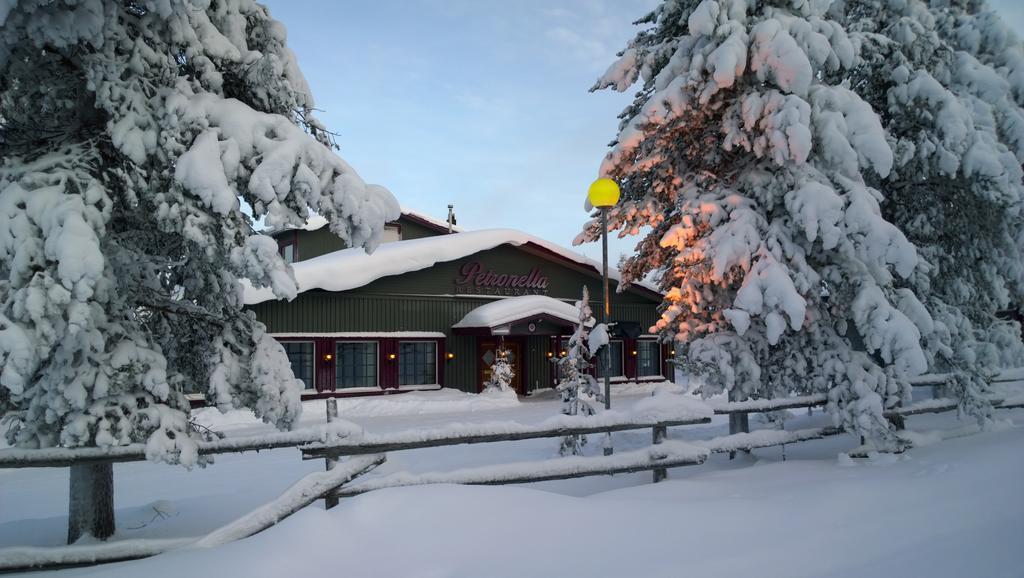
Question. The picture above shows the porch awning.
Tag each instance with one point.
(499, 316)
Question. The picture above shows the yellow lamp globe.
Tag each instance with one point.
(603, 193)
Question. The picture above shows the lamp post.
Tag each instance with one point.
(604, 194)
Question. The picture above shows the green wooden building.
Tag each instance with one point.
(429, 307)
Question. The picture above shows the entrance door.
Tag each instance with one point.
(487, 352)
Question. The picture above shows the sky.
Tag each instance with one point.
(483, 104)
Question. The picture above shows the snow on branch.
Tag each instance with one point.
(290, 163)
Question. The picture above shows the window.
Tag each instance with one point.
(391, 233)
(288, 252)
(648, 358)
(417, 362)
(355, 364)
(300, 355)
(616, 360)
(288, 246)
(598, 361)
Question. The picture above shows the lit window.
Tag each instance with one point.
(300, 355)
(355, 364)
(648, 358)
(417, 363)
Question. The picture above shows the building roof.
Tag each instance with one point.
(353, 268)
(317, 222)
(513, 309)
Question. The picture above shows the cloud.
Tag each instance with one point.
(587, 49)
(592, 32)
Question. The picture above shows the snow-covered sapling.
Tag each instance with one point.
(580, 391)
(502, 373)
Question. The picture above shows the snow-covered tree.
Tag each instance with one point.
(581, 393)
(947, 78)
(502, 373)
(745, 158)
(133, 134)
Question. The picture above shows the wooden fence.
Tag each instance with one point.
(366, 451)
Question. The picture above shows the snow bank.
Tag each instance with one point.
(784, 514)
(626, 388)
(412, 403)
(664, 405)
(445, 400)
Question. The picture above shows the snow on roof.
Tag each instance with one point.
(352, 268)
(317, 222)
(510, 309)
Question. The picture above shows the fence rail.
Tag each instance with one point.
(64, 457)
(485, 433)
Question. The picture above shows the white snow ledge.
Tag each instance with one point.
(511, 309)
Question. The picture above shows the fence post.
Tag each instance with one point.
(738, 422)
(330, 500)
(659, 433)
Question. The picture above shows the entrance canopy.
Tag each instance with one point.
(523, 315)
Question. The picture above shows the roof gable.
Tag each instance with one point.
(350, 269)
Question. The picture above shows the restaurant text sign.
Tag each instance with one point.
(476, 279)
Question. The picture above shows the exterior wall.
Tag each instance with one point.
(312, 244)
(315, 243)
(426, 300)
(415, 230)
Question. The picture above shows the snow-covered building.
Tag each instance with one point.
(429, 307)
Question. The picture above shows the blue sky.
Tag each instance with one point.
(478, 103)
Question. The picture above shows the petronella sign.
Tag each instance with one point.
(476, 279)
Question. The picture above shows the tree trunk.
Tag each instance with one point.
(91, 503)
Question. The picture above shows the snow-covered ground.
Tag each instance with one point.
(951, 508)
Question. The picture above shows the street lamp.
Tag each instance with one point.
(603, 194)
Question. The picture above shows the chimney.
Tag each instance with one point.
(451, 218)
